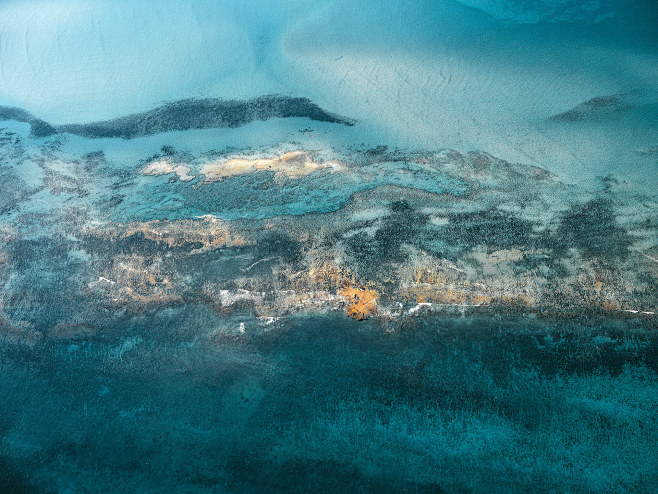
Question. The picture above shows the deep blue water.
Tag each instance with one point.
(322, 403)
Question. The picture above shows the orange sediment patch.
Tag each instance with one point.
(361, 302)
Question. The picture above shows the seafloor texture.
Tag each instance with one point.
(305, 257)
(191, 323)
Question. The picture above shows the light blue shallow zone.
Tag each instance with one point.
(250, 196)
(468, 75)
(260, 195)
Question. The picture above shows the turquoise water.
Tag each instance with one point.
(518, 135)
(466, 75)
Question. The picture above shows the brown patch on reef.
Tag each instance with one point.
(21, 333)
(361, 302)
(324, 278)
(135, 280)
(430, 275)
(445, 294)
(333, 286)
(7, 234)
(209, 231)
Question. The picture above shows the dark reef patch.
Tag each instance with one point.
(12, 481)
(249, 473)
(592, 228)
(597, 107)
(281, 246)
(44, 289)
(328, 404)
(39, 128)
(400, 228)
(493, 228)
(184, 115)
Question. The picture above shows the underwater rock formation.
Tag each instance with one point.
(184, 115)
(303, 286)
(388, 250)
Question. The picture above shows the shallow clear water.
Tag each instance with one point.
(462, 75)
(328, 247)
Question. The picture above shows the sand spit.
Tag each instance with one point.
(293, 164)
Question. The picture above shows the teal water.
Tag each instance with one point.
(101, 394)
(164, 402)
